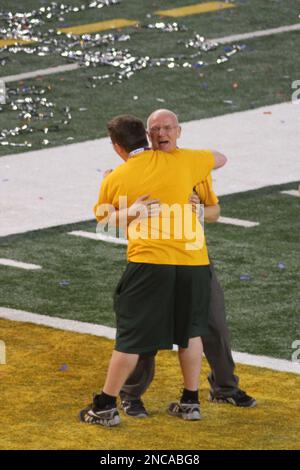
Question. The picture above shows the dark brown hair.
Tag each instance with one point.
(127, 131)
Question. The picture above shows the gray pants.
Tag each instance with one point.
(216, 349)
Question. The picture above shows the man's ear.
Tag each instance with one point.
(178, 132)
(148, 137)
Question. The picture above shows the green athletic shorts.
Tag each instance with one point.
(160, 305)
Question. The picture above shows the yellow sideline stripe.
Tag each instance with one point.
(13, 42)
(99, 26)
(51, 374)
(195, 9)
(81, 29)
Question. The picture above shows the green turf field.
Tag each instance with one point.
(261, 74)
(257, 267)
(262, 312)
(248, 15)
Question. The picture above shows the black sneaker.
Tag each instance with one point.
(134, 408)
(108, 416)
(188, 411)
(237, 398)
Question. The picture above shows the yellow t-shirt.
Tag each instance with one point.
(206, 193)
(175, 236)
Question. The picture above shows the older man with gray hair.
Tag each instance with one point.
(164, 131)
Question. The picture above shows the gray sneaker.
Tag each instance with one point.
(188, 411)
(108, 416)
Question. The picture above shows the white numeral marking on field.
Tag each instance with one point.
(238, 222)
(18, 264)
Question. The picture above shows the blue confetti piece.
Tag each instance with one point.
(245, 277)
(199, 65)
(64, 283)
(281, 265)
(64, 367)
(243, 47)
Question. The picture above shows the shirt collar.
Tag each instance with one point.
(137, 151)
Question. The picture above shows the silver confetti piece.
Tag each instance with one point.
(35, 110)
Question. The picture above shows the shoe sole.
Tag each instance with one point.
(115, 421)
(140, 416)
(228, 401)
(195, 416)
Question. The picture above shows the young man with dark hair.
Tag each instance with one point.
(127, 132)
(164, 130)
(163, 295)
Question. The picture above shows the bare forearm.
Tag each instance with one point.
(211, 213)
(220, 159)
(143, 207)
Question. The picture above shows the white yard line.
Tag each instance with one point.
(59, 323)
(123, 241)
(84, 234)
(18, 264)
(222, 40)
(267, 362)
(99, 236)
(261, 144)
(257, 34)
(40, 72)
(292, 192)
(107, 332)
(238, 222)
